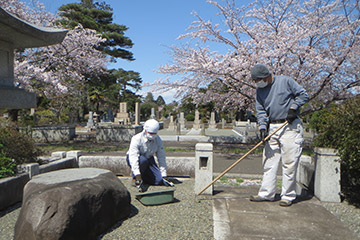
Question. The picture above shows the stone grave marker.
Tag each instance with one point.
(122, 117)
(212, 124)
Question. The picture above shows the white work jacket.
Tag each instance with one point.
(140, 145)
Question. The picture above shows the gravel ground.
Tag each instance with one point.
(347, 213)
(189, 217)
(7, 222)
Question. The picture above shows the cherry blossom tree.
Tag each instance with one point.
(61, 67)
(314, 41)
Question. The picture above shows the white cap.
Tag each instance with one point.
(151, 126)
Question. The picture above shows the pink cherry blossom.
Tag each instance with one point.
(316, 42)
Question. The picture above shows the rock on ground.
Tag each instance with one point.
(71, 204)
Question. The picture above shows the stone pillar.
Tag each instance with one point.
(75, 154)
(152, 116)
(182, 121)
(90, 123)
(223, 123)
(203, 167)
(171, 124)
(137, 114)
(327, 175)
(31, 168)
(202, 132)
(212, 124)
(10, 96)
(196, 124)
(178, 128)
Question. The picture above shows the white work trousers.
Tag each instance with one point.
(285, 145)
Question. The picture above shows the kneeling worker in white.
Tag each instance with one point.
(140, 157)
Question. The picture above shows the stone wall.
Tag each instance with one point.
(52, 134)
(116, 133)
(11, 190)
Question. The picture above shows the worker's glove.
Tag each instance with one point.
(292, 115)
(263, 134)
(140, 185)
(138, 180)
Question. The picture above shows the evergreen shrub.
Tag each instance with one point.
(17, 146)
(190, 117)
(338, 127)
(7, 165)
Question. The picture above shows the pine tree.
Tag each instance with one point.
(108, 90)
(99, 16)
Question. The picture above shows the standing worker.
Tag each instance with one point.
(140, 157)
(278, 99)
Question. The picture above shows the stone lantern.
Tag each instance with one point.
(18, 34)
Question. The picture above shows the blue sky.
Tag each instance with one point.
(153, 27)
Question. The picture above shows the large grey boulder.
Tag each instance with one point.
(78, 203)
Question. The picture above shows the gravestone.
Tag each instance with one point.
(171, 124)
(178, 128)
(202, 131)
(78, 203)
(109, 115)
(137, 114)
(16, 33)
(90, 123)
(212, 124)
(152, 116)
(196, 124)
(223, 123)
(122, 117)
(182, 122)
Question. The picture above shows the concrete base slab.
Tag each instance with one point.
(242, 219)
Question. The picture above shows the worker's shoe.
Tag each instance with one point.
(285, 203)
(256, 198)
(143, 187)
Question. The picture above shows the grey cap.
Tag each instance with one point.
(259, 71)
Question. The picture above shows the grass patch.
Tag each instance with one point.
(239, 180)
(308, 152)
(170, 149)
(224, 179)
